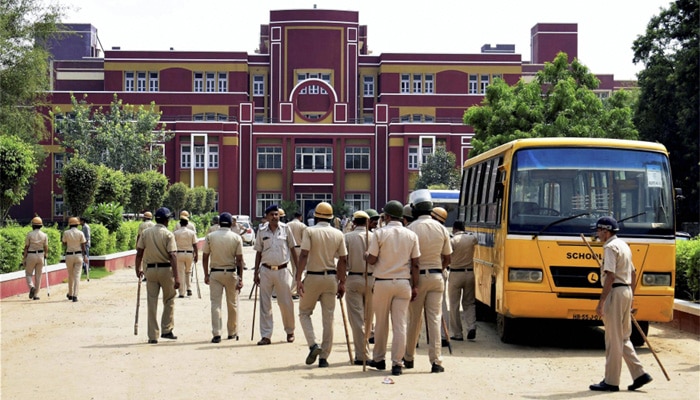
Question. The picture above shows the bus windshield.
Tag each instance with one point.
(549, 184)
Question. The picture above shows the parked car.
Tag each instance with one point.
(245, 229)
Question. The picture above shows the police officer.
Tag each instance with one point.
(282, 214)
(190, 225)
(147, 223)
(36, 249)
(619, 278)
(325, 280)
(88, 241)
(440, 215)
(435, 252)
(274, 252)
(461, 284)
(373, 218)
(187, 253)
(157, 249)
(297, 227)
(407, 215)
(222, 260)
(358, 290)
(76, 254)
(214, 224)
(394, 251)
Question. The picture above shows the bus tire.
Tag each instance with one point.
(636, 338)
(506, 328)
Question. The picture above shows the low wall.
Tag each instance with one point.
(686, 316)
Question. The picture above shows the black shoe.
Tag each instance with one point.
(69, 297)
(471, 335)
(371, 340)
(640, 381)
(604, 387)
(232, 337)
(380, 365)
(396, 370)
(437, 368)
(75, 299)
(445, 343)
(407, 364)
(152, 341)
(189, 293)
(182, 296)
(168, 335)
(216, 339)
(322, 363)
(314, 351)
(32, 290)
(36, 298)
(459, 339)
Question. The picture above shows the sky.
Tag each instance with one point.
(606, 28)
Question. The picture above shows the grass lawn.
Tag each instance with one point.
(95, 273)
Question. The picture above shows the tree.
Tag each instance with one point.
(439, 169)
(79, 183)
(177, 196)
(17, 167)
(121, 138)
(669, 85)
(138, 201)
(112, 187)
(559, 102)
(157, 185)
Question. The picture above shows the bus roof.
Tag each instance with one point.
(566, 142)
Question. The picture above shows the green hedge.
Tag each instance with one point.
(688, 269)
(13, 237)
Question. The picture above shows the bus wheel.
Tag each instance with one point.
(636, 338)
(506, 328)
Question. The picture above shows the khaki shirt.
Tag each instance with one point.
(617, 260)
(36, 240)
(463, 244)
(324, 243)
(297, 227)
(274, 246)
(185, 238)
(213, 228)
(223, 246)
(189, 226)
(145, 225)
(434, 242)
(73, 238)
(394, 246)
(157, 243)
(356, 242)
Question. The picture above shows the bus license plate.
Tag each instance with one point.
(584, 316)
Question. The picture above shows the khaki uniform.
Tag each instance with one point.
(434, 243)
(617, 260)
(186, 241)
(36, 242)
(274, 249)
(213, 228)
(142, 227)
(394, 246)
(324, 243)
(74, 241)
(461, 285)
(357, 290)
(157, 243)
(297, 227)
(189, 226)
(223, 246)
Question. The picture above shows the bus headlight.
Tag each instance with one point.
(656, 279)
(525, 275)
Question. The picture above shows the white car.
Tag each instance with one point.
(245, 229)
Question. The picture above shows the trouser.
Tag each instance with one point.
(293, 271)
(74, 265)
(461, 289)
(34, 264)
(430, 289)
(323, 288)
(184, 271)
(618, 327)
(281, 282)
(220, 281)
(157, 278)
(391, 297)
(358, 310)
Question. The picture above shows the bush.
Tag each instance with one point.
(108, 214)
(688, 269)
(100, 240)
(12, 246)
(123, 237)
(55, 244)
(133, 232)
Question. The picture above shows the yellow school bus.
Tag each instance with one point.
(529, 200)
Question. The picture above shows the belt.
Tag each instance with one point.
(222, 270)
(36, 251)
(390, 279)
(619, 284)
(158, 265)
(275, 267)
(462, 269)
(326, 272)
(359, 273)
(70, 253)
(184, 251)
(431, 271)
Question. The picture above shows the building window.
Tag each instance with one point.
(269, 157)
(301, 78)
(357, 158)
(152, 81)
(314, 158)
(368, 119)
(58, 205)
(223, 82)
(313, 89)
(368, 86)
(264, 200)
(141, 82)
(211, 80)
(185, 156)
(484, 83)
(417, 83)
(357, 201)
(58, 159)
(258, 85)
(405, 83)
(473, 83)
(429, 83)
(199, 156)
(214, 156)
(413, 158)
(198, 82)
(129, 81)
(496, 76)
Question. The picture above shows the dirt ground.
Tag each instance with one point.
(56, 349)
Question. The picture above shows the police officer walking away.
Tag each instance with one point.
(274, 251)
(394, 251)
(36, 249)
(222, 260)
(435, 250)
(157, 248)
(187, 253)
(297, 227)
(214, 224)
(461, 284)
(76, 254)
(325, 280)
(619, 278)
